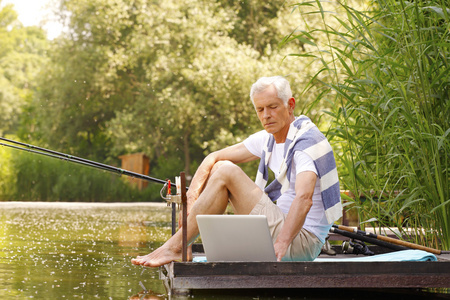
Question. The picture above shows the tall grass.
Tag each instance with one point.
(385, 68)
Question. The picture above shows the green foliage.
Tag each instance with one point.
(41, 178)
(386, 71)
(7, 182)
(253, 22)
(168, 78)
(191, 93)
(22, 54)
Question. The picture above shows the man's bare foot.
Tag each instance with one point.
(161, 256)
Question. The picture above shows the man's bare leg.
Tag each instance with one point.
(227, 182)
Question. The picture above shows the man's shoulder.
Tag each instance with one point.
(255, 142)
(261, 133)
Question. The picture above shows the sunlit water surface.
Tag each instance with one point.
(79, 250)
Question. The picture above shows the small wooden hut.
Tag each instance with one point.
(138, 163)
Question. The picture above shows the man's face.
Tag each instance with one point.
(273, 114)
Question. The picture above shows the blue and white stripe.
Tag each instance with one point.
(304, 136)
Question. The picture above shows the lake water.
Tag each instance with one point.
(79, 250)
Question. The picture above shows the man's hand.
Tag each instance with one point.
(280, 249)
(304, 189)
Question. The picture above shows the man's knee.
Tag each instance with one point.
(220, 164)
(226, 170)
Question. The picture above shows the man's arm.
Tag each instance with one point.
(236, 154)
(304, 190)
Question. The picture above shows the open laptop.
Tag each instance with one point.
(236, 238)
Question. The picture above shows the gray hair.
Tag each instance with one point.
(279, 82)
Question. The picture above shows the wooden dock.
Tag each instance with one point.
(188, 277)
(379, 278)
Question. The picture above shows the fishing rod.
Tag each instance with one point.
(376, 238)
(367, 239)
(75, 159)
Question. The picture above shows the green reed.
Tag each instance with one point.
(385, 69)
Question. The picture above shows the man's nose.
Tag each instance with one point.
(266, 113)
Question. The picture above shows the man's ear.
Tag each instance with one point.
(291, 104)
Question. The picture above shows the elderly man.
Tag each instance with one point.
(306, 188)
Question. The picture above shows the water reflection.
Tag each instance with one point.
(67, 250)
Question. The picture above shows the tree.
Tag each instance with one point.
(253, 22)
(167, 78)
(93, 73)
(191, 86)
(22, 53)
(197, 97)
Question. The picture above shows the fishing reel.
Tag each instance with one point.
(355, 247)
(168, 189)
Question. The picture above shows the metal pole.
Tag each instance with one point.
(174, 218)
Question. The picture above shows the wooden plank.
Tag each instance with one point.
(182, 277)
(310, 268)
(316, 281)
(184, 218)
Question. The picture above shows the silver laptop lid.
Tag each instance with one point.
(236, 238)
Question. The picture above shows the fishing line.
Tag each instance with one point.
(74, 159)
